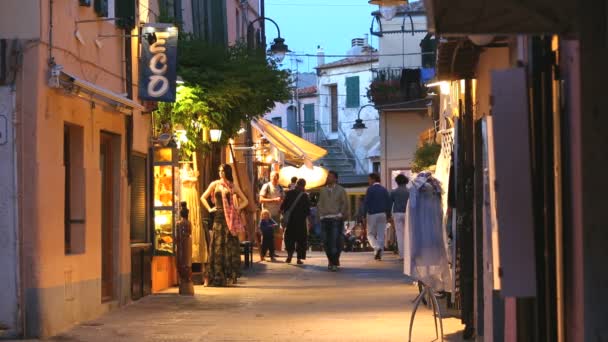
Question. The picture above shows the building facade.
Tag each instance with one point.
(342, 88)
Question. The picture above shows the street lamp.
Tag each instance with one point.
(216, 135)
(388, 8)
(278, 49)
(359, 126)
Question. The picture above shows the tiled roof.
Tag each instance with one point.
(308, 90)
(350, 61)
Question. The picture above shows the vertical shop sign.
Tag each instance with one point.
(158, 69)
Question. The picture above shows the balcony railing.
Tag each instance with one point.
(396, 85)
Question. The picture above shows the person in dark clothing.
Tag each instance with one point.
(266, 229)
(378, 207)
(297, 204)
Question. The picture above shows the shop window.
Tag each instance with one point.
(352, 92)
(74, 189)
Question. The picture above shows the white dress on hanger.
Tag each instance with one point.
(427, 261)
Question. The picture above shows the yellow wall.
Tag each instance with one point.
(61, 290)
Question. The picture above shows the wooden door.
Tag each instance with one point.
(333, 91)
(107, 216)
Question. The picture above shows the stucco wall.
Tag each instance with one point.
(240, 31)
(400, 132)
(61, 290)
(347, 116)
(9, 253)
(402, 43)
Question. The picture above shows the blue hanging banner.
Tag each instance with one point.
(158, 69)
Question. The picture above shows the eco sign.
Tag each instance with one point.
(158, 67)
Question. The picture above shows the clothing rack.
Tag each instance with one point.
(428, 291)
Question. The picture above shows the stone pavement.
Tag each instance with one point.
(365, 301)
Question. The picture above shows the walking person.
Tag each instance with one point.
(333, 210)
(271, 197)
(225, 256)
(293, 184)
(378, 207)
(399, 198)
(266, 229)
(296, 209)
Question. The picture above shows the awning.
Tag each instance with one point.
(78, 85)
(287, 142)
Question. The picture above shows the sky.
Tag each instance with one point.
(305, 24)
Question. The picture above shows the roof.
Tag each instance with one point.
(350, 61)
(308, 91)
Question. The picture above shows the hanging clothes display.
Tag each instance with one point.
(189, 194)
(427, 261)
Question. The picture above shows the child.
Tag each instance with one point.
(267, 226)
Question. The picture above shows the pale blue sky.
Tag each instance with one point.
(307, 23)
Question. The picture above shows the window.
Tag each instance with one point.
(122, 9)
(352, 92)
(74, 189)
(333, 92)
(309, 117)
(139, 202)
(277, 121)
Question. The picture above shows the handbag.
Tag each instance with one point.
(287, 213)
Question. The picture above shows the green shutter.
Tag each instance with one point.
(309, 118)
(125, 11)
(101, 8)
(352, 92)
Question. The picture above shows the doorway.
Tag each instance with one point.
(292, 119)
(109, 165)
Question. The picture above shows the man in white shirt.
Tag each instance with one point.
(271, 197)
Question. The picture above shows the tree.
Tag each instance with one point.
(223, 87)
(426, 156)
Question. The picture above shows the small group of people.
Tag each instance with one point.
(382, 207)
(293, 210)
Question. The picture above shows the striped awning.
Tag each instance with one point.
(287, 142)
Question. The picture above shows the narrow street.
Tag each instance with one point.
(365, 301)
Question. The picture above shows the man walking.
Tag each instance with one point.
(296, 209)
(378, 207)
(399, 198)
(333, 210)
(271, 197)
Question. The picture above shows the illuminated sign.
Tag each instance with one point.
(158, 69)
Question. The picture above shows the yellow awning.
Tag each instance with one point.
(288, 142)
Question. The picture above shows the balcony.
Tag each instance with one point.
(396, 87)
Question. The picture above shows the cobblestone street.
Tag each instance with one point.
(366, 301)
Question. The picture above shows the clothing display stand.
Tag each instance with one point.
(432, 299)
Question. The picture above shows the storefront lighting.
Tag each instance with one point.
(315, 176)
(216, 135)
(388, 8)
(444, 86)
(161, 220)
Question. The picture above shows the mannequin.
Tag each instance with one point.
(225, 250)
(189, 194)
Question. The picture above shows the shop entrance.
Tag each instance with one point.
(109, 164)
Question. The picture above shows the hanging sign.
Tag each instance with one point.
(158, 69)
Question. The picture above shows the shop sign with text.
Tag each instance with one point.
(158, 69)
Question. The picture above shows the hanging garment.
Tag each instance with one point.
(427, 261)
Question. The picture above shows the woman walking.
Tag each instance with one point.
(225, 254)
(296, 209)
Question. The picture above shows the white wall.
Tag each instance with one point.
(347, 116)
(9, 260)
(402, 42)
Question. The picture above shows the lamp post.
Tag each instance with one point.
(278, 49)
(359, 126)
(388, 8)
